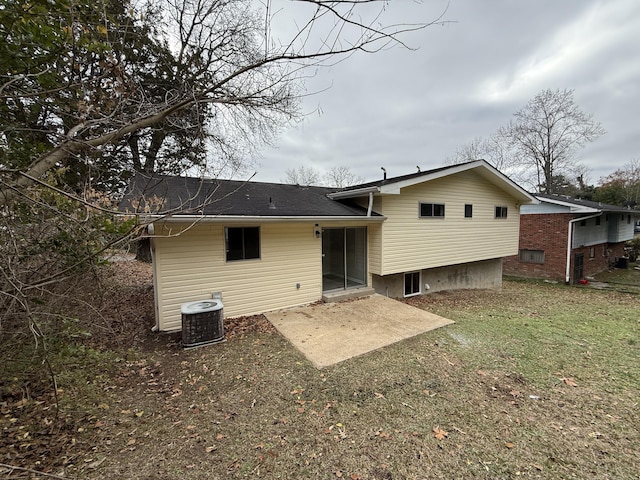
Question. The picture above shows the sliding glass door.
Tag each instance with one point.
(344, 258)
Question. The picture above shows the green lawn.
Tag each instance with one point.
(536, 381)
(624, 280)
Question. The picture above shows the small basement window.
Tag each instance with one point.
(411, 284)
(531, 256)
(501, 212)
(468, 210)
(433, 210)
(242, 243)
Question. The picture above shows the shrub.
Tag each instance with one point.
(632, 248)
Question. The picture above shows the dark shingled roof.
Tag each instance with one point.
(160, 195)
(387, 181)
(586, 203)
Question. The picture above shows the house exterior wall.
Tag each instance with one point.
(481, 274)
(452, 252)
(592, 233)
(375, 248)
(543, 207)
(410, 243)
(548, 232)
(597, 258)
(621, 227)
(192, 265)
(614, 228)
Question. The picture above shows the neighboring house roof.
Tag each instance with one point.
(578, 205)
(393, 185)
(157, 195)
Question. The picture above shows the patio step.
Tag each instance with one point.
(339, 295)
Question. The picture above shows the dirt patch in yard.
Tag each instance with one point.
(100, 346)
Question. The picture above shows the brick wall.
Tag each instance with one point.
(598, 258)
(548, 232)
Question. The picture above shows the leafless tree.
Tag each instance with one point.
(341, 176)
(302, 176)
(494, 149)
(337, 177)
(228, 71)
(238, 67)
(546, 133)
(537, 148)
(77, 99)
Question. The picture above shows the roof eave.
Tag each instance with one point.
(576, 209)
(573, 208)
(258, 218)
(358, 192)
(495, 176)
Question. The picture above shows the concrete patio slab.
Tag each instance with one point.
(330, 333)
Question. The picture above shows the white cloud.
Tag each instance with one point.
(401, 108)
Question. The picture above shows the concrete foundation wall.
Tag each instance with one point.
(483, 274)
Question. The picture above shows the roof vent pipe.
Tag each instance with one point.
(385, 173)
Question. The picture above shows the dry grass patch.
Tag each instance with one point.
(535, 381)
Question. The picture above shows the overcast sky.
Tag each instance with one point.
(399, 108)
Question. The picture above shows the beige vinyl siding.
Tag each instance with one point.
(192, 265)
(374, 240)
(412, 243)
(375, 248)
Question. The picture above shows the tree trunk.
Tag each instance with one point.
(143, 250)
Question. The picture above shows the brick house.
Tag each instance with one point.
(568, 239)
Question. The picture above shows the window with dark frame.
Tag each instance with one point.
(411, 283)
(468, 210)
(242, 243)
(432, 210)
(501, 212)
(531, 256)
(597, 220)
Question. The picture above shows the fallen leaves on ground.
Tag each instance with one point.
(439, 433)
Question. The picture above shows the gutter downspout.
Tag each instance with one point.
(151, 230)
(567, 274)
(370, 204)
